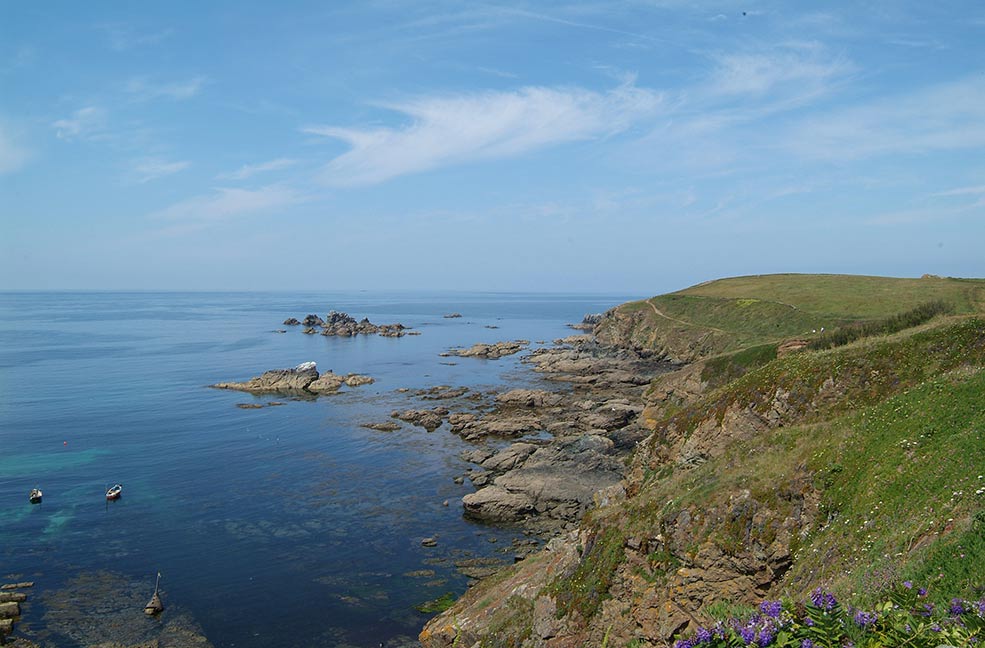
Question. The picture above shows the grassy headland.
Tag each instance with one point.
(776, 466)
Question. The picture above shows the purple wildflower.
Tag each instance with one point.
(806, 643)
(864, 619)
(703, 635)
(957, 607)
(980, 607)
(684, 643)
(771, 609)
(922, 591)
(748, 634)
(809, 622)
(928, 609)
(824, 600)
(936, 627)
(908, 584)
(766, 636)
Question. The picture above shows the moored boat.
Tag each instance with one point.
(114, 492)
(36, 496)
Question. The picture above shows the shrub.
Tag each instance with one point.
(886, 326)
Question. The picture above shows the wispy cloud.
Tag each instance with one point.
(250, 170)
(141, 89)
(87, 123)
(943, 117)
(123, 37)
(12, 155)
(804, 67)
(148, 169)
(963, 191)
(224, 204)
(460, 129)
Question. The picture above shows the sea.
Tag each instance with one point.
(288, 525)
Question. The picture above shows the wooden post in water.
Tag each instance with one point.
(154, 605)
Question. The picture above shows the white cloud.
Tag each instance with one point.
(225, 203)
(801, 67)
(123, 37)
(12, 156)
(143, 90)
(459, 129)
(963, 191)
(943, 117)
(85, 123)
(250, 170)
(148, 169)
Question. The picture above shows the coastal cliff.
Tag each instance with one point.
(820, 431)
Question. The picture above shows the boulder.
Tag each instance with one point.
(291, 321)
(10, 610)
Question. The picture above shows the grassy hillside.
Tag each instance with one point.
(771, 472)
(731, 314)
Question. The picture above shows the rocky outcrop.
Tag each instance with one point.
(530, 398)
(342, 324)
(588, 322)
(490, 351)
(452, 315)
(545, 487)
(430, 419)
(302, 379)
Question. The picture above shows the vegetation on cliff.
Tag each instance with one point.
(773, 469)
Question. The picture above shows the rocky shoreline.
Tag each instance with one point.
(543, 456)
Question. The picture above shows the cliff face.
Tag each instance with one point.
(742, 489)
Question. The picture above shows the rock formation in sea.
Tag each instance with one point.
(302, 379)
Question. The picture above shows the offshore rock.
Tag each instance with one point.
(277, 380)
(491, 351)
(302, 379)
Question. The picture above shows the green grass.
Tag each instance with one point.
(733, 314)
(862, 373)
(721, 370)
(848, 296)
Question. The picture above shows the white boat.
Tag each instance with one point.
(36, 495)
(114, 492)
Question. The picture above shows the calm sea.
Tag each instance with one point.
(290, 525)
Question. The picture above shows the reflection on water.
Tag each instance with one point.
(288, 525)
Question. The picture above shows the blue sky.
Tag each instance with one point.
(625, 146)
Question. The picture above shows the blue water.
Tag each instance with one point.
(289, 524)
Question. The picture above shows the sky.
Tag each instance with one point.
(624, 146)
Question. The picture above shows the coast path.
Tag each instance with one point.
(660, 313)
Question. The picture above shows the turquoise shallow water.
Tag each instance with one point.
(290, 524)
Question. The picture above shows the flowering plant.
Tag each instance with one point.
(905, 619)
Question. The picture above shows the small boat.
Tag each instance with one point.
(36, 495)
(114, 492)
(154, 605)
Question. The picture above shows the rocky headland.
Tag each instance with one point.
(743, 465)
